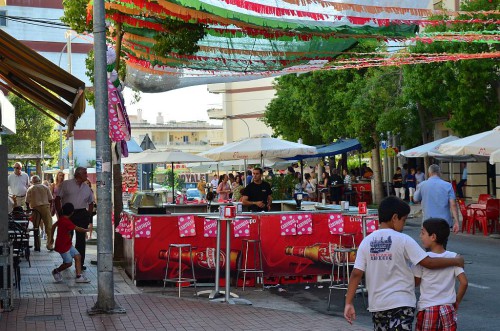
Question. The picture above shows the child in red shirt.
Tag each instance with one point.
(65, 247)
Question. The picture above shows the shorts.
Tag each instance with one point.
(397, 319)
(69, 255)
(437, 318)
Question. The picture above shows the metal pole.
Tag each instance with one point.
(71, 146)
(42, 152)
(105, 284)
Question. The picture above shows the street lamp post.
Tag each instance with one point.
(67, 47)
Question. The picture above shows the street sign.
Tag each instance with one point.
(383, 144)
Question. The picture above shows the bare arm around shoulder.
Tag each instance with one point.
(462, 288)
(442, 262)
(79, 229)
(349, 311)
(53, 230)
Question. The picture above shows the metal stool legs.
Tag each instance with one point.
(179, 279)
(257, 262)
(342, 262)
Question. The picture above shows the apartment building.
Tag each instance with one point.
(188, 136)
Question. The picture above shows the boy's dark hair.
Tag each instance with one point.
(439, 227)
(390, 206)
(68, 209)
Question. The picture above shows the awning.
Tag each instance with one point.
(32, 77)
(336, 148)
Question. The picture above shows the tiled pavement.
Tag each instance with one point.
(45, 305)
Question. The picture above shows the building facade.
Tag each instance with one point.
(189, 136)
(62, 47)
(243, 106)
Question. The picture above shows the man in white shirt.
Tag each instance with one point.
(19, 182)
(77, 192)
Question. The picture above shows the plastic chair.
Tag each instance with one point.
(483, 198)
(483, 217)
(467, 215)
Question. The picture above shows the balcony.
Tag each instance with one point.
(216, 114)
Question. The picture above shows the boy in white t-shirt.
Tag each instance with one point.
(438, 301)
(385, 256)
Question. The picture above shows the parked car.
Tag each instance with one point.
(193, 194)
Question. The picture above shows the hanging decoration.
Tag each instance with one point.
(119, 124)
(253, 39)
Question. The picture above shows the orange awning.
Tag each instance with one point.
(29, 75)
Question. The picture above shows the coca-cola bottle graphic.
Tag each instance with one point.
(321, 252)
(202, 258)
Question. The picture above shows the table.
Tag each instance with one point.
(227, 293)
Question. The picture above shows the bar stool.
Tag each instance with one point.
(350, 196)
(257, 267)
(341, 259)
(183, 248)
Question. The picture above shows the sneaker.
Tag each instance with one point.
(57, 275)
(82, 279)
(84, 267)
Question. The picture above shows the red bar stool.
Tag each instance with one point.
(183, 249)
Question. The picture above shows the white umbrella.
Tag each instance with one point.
(259, 148)
(164, 156)
(483, 144)
(495, 157)
(425, 149)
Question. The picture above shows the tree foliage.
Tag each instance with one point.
(464, 93)
(314, 106)
(32, 127)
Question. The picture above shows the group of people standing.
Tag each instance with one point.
(68, 200)
(406, 181)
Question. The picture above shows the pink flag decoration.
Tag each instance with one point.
(241, 227)
(186, 226)
(210, 227)
(288, 225)
(125, 226)
(304, 224)
(336, 223)
(143, 227)
(371, 224)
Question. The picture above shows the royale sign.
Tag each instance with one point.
(191, 177)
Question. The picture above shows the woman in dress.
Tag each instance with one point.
(236, 188)
(54, 189)
(224, 188)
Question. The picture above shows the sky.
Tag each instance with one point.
(186, 104)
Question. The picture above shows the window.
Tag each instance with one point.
(3, 18)
(185, 139)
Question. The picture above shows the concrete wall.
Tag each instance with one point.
(476, 180)
(246, 101)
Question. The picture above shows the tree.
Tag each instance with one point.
(32, 127)
(463, 92)
(313, 106)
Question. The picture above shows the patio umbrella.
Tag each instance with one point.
(258, 148)
(495, 157)
(425, 149)
(482, 144)
(164, 156)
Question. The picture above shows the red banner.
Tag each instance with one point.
(288, 255)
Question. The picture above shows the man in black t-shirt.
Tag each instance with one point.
(257, 195)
